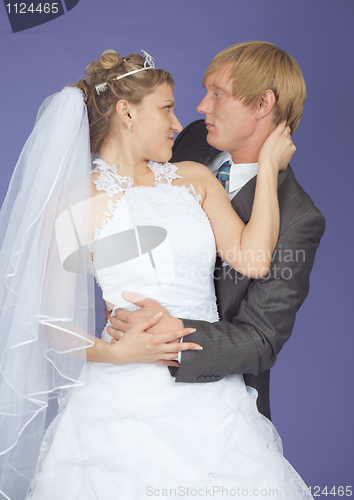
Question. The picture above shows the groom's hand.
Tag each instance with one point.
(122, 320)
(138, 346)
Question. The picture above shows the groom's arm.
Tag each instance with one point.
(249, 344)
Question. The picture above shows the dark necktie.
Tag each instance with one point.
(223, 174)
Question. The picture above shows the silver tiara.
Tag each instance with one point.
(148, 64)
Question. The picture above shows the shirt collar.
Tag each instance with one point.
(240, 173)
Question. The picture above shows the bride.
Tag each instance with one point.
(125, 429)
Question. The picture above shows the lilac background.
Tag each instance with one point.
(311, 394)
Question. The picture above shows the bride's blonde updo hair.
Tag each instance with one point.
(134, 88)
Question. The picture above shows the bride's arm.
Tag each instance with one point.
(249, 248)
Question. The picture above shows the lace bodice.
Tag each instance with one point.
(157, 241)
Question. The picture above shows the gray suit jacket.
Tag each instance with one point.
(257, 316)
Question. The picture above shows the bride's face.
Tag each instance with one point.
(155, 123)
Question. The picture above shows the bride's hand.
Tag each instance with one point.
(136, 345)
(122, 320)
(277, 149)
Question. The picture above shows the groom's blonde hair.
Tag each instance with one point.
(257, 66)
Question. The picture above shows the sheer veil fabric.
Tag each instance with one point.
(46, 287)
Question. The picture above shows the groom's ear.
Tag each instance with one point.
(266, 104)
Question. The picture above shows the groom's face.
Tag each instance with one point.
(230, 123)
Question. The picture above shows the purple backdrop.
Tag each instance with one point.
(311, 390)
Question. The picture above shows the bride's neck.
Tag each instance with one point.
(124, 157)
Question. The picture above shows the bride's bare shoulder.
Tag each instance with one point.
(191, 169)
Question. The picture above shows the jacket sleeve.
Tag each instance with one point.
(249, 344)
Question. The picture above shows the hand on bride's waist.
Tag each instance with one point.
(141, 337)
(122, 320)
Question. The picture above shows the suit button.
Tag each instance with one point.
(212, 378)
(217, 378)
(200, 379)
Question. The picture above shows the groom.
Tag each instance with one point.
(251, 87)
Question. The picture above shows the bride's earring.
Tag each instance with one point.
(129, 128)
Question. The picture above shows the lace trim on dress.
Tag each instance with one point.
(165, 173)
(111, 208)
(109, 180)
(113, 183)
(192, 191)
(209, 313)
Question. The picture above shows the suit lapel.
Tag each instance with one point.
(243, 201)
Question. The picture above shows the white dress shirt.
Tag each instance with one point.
(240, 173)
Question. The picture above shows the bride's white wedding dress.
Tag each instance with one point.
(131, 432)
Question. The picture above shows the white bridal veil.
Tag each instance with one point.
(46, 308)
